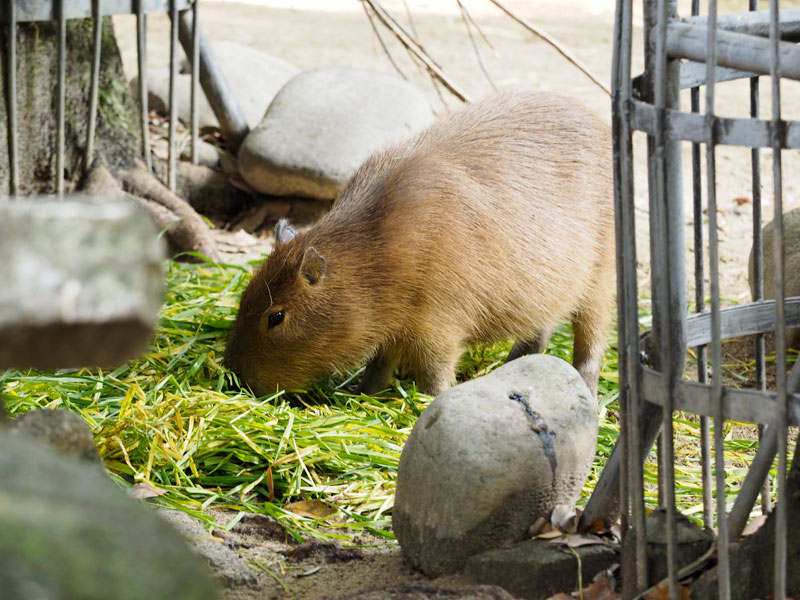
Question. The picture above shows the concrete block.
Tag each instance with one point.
(82, 282)
(538, 569)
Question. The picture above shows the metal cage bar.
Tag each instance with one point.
(204, 70)
(713, 49)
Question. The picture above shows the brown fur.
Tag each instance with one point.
(495, 222)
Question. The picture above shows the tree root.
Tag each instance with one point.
(184, 230)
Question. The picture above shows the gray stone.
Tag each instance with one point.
(253, 76)
(229, 566)
(490, 456)
(431, 591)
(323, 124)
(538, 569)
(68, 532)
(83, 282)
(692, 542)
(61, 429)
(208, 155)
(791, 245)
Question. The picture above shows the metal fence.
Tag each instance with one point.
(699, 54)
(184, 29)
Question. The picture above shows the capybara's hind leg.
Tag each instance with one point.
(590, 326)
(434, 367)
(378, 372)
(535, 345)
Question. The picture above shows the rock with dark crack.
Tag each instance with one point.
(489, 457)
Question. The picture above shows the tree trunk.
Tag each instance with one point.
(117, 139)
(118, 132)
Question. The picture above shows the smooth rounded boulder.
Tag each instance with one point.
(323, 124)
(489, 457)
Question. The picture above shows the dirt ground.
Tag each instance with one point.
(325, 32)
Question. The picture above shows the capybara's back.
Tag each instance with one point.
(495, 222)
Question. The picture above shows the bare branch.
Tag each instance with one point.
(413, 46)
(553, 42)
(467, 18)
(380, 39)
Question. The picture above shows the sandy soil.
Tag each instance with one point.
(317, 32)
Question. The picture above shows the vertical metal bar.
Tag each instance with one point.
(777, 142)
(195, 118)
(11, 94)
(631, 464)
(62, 76)
(667, 202)
(716, 344)
(758, 265)
(625, 248)
(173, 94)
(700, 303)
(141, 47)
(215, 86)
(95, 85)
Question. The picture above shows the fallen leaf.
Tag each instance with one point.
(596, 526)
(564, 518)
(549, 535)
(142, 490)
(661, 592)
(540, 525)
(742, 200)
(313, 509)
(576, 540)
(600, 589)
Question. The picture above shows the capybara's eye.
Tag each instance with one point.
(275, 318)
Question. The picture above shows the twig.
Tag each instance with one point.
(410, 19)
(478, 27)
(416, 49)
(467, 18)
(380, 40)
(553, 42)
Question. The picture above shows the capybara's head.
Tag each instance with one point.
(290, 320)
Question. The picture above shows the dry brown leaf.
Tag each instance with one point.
(549, 535)
(312, 509)
(143, 490)
(576, 540)
(540, 525)
(564, 518)
(600, 589)
(661, 592)
(596, 526)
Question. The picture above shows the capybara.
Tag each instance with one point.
(496, 221)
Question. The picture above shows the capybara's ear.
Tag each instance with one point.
(313, 266)
(284, 232)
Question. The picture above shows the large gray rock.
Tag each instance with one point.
(61, 429)
(253, 76)
(68, 532)
(323, 124)
(791, 245)
(82, 282)
(489, 457)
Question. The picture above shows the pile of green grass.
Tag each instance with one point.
(177, 420)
